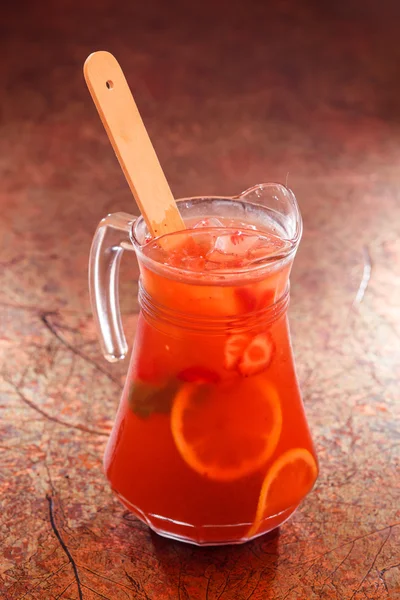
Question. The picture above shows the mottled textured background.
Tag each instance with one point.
(232, 95)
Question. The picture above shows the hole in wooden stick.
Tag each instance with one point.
(109, 84)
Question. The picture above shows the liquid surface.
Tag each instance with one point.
(212, 244)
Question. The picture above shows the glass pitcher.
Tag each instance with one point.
(210, 443)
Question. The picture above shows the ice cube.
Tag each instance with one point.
(267, 246)
(206, 239)
(210, 222)
(236, 224)
(232, 248)
(216, 259)
(238, 243)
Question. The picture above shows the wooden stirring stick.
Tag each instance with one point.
(130, 140)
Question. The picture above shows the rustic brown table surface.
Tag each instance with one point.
(231, 96)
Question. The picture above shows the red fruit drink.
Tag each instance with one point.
(211, 443)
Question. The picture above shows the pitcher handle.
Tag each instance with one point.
(112, 237)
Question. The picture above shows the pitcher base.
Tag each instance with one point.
(205, 535)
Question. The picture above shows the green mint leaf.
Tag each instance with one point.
(145, 399)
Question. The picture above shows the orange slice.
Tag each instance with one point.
(228, 430)
(289, 479)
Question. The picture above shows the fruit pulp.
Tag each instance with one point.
(211, 444)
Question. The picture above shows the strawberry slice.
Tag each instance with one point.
(247, 298)
(198, 375)
(234, 349)
(255, 297)
(266, 298)
(257, 356)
